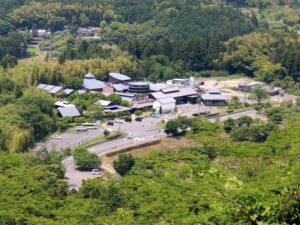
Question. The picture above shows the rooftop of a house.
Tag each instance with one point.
(214, 90)
(49, 87)
(119, 76)
(69, 111)
(104, 102)
(142, 104)
(158, 86)
(92, 84)
(55, 90)
(180, 79)
(118, 109)
(214, 94)
(42, 86)
(89, 76)
(62, 104)
(68, 91)
(166, 100)
(120, 87)
(181, 93)
(170, 90)
(130, 95)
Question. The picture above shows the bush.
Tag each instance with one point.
(124, 164)
(138, 113)
(86, 160)
(206, 150)
(256, 133)
(276, 118)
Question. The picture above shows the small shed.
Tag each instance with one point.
(165, 105)
(214, 98)
(68, 111)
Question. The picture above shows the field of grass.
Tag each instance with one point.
(34, 50)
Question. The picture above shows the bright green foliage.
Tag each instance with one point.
(234, 103)
(138, 113)
(25, 117)
(219, 181)
(86, 160)
(259, 94)
(183, 124)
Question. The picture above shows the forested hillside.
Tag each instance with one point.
(241, 171)
(169, 38)
(219, 181)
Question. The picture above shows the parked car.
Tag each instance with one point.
(55, 136)
(96, 172)
(139, 119)
(117, 120)
(81, 128)
(128, 120)
(110, 123)
(155, 115)
(195, 114)
(130, 136)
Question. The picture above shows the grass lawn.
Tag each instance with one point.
(34, 50)
(93, 141)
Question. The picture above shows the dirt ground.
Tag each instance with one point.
(225, 85)
(166, 144)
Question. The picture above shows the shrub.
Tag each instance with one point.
(138, 113)
(124, 164)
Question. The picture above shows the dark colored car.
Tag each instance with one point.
(110, 123)
(195, 114)
(128, 120)
(139, 119)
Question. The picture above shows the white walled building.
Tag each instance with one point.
(165, 105)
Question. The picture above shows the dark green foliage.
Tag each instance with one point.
(5, 27)
(275, 115)
(124, 164)
(245, 129)
(206, 150)
(183, 124)
(86, 160)
(256, 133)
(85, 50)
(229, 124)
(12, 47)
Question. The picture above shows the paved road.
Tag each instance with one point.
(189, 109)
(147, 130)
(69, 139)
(252, 113)
(144, 131)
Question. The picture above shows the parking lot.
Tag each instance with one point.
(69, 139)
(190, 109)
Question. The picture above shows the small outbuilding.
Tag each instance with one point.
(165, 105)
(68, 111)
(214, 98)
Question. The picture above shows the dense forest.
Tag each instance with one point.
(240, 171)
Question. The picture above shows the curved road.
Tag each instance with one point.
(143, 132)
(75, 177)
